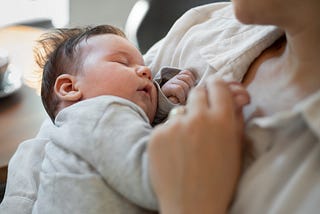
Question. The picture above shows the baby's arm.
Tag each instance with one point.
(178, 87)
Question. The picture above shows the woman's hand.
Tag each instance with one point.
(195, 158)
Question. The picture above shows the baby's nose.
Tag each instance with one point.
(144, 71)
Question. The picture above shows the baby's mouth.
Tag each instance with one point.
(146, 89)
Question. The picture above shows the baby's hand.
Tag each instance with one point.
(178, 87)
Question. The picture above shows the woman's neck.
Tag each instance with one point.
(301, 58)
(285, 73)
(302, 35)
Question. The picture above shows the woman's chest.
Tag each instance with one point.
(269, 88)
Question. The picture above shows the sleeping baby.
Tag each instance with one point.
(103, 104)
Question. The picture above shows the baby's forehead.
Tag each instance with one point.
(105, 38)
(103, 42)
(89, 45)
(110, 44)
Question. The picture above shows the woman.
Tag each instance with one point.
(282, 125)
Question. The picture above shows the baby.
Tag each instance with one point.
(102, 101)
(84, 63)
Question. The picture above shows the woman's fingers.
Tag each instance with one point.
(197, 100)
(215, 97)
(240, 94)
(220, 98)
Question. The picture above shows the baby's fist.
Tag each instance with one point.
(178, 87)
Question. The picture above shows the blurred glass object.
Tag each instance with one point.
(10, 77)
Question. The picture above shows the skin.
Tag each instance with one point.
(178, 87)
(279, 78)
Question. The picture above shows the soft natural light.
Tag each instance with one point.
(15, 11)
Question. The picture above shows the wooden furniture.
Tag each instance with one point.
(21, 113)
(3, 177)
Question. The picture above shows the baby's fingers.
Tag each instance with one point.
(188, 77)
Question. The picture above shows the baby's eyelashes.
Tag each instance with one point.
(122, 62)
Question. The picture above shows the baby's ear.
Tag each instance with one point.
(65, 89)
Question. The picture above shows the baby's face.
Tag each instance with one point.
(113, 66)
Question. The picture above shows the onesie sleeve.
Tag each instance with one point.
(164, 104)
(123, 136)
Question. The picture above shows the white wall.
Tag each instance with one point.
(15, 11)
(86, 12)
(66, 12)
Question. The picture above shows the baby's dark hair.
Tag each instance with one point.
(57, 53)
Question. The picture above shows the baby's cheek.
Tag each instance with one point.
(155, 99)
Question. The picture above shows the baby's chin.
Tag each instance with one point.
(150, 109)
(151, 115)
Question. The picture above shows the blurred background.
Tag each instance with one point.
(65, 12)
